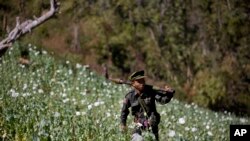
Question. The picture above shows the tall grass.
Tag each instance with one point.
(59, 100)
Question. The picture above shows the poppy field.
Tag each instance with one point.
(58, 100)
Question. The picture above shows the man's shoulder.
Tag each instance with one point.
(130, 94)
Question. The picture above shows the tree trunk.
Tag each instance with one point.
(75, 43)
(5, 20)
(21, 6)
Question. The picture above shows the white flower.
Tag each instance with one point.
(65, 100)
(97, 121)
(90, 107)
(25, 86)
(67, 62)
(195, 137)
(36, 53)
(64, 122)
(83, 93)
(207, 127)
(58, 71)
(108, 114)
(40, 91)
(22, 66)
(56, 114)
(25, 94)
(78, 113)
(52, 93)
(243, 120)
(194, 129)
(171, 133)
(187, 105)
(117, 116)
(11, 90)
(210, 133)
(44, 52)
(163, 112)
(186, 128)
(98, 103)
(181, 120)
(14, 93)
(70, 72)
(34, 86)
(78, 66)
(64, 95)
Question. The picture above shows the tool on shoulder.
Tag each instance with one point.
(120, 81)
(139, 74)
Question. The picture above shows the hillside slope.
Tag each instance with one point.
(199, 47)
(59, 100)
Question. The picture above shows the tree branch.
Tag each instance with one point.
(26, 26)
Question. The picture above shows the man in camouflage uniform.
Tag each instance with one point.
(142, 102)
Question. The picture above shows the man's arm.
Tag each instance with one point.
(125, 110)
(165, 96)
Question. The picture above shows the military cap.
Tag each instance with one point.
(137, 75)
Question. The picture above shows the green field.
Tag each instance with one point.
(59, 100)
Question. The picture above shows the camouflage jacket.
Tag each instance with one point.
(149, 96)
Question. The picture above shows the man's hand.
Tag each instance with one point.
(168, 89)
(123, 128)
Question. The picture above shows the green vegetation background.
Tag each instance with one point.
(199, 47)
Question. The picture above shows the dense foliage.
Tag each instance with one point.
(60, 100)
(200, 47)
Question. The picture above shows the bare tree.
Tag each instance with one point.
(26, 26)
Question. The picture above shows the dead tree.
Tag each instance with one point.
(26, 26)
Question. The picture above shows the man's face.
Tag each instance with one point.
(139, 84)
